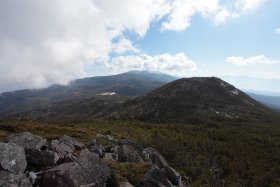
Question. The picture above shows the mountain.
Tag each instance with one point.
(270, 101)
(194, 100)
(80, 97)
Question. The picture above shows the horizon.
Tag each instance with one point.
(248, 91)
(55, 42)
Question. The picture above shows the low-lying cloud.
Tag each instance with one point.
(178, 64)
(254, 60)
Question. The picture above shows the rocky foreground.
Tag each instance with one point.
(29, 160)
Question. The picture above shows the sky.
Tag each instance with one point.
(56, 41)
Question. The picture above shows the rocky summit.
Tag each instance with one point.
(29, 160)
(195, 100)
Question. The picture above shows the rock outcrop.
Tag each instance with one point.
(12, 158)
(29, 160)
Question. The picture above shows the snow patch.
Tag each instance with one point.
(222, 84)
(234, 92)
(107, 93)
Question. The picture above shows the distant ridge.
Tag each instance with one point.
(195, 100)
(81, 97)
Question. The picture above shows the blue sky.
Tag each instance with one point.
(42, 43)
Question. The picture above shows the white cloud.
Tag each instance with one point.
(42, 42)
(124, 45)
(243, 61)
(178, 64)
(182, 11)
(277, 30)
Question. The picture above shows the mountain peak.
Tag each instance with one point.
(194, 99)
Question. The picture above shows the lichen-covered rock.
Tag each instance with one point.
(65, 146)
(87, 170)
(12, 158)
(160, 174)
(152, 155)
(127, 153)
(12, 180)
(27, 140)
(71, 141)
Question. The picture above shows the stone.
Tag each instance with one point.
(27, 140)
(156, 178)
(110, 156)
(152, 155)
(108, 138)
(38, 160)
(65, 147)
(87, 170)
(12, 180)
(125, 184)
(127, 153)
(97, 149)
(160, 172)
(12, 158)
(71, 141)
(173, 176)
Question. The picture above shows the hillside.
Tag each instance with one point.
(56, 98)
(195, 100)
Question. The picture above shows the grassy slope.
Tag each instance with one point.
(242, 154)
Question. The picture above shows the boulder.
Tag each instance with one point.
(65, 147)
(160, 172)
(156, 178)
(12, 180)
(27, 140)
(97, 149)
(152, 155)
(71, 141)
(87, 170)
(127, 153)
(108, 138)
(38, 160)
(12, 158)
(125, 184)
(173, 176)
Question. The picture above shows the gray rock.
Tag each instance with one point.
(156, 178)
(173, 176)
(71, 141)
(160, 172)
(87, 170)
(152, 155)
(65, 147)
(38, 160)
(27, 140)
(12, 158)
(110, 156)
(108, 138)
(125, 184)
(12, 180)
(97, 149)
(127, 153)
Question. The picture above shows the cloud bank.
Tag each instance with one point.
(254, 60)
(54, 41)
(178, 64)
